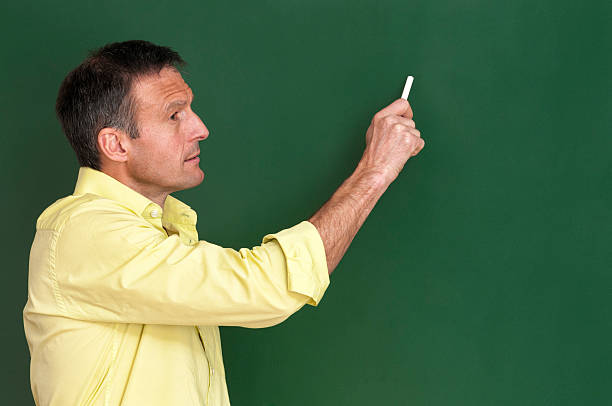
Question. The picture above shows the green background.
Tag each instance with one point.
(483, 275)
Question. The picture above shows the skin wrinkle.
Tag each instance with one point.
(154, 164)
(391, 139)
(171, 286)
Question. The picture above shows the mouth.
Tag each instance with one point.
(194, 158)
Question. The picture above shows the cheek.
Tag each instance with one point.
(162, 149)
(165, 157)
(170, 158)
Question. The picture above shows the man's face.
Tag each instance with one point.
(169, 134)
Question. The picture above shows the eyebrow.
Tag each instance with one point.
(177, 103)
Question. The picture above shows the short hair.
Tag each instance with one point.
(97, 93)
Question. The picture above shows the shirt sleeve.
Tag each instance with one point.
(116, 267)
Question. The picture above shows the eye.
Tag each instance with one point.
(174, 116)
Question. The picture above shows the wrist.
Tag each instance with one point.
(377, 177)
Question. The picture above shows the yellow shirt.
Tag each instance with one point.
(124, 300)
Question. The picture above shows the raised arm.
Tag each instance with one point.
(391, 140)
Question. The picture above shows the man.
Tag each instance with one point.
(124, 300)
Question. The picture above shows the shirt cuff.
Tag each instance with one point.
(304, 252)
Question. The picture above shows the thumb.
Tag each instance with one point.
(399, 107)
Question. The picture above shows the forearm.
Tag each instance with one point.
(391, 139)
(343, 215)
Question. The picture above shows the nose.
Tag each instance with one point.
(204, 134)
(200, 131)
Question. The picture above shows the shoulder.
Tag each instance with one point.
(85, 211)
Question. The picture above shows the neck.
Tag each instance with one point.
(147, 190)
(159, 198)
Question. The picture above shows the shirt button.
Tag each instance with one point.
(154, 213)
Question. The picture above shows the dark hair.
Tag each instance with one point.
(97, 93)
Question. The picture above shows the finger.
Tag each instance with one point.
(402, 120)
(408, 113)
(419, 147)
(400, 107)
(404, 125)
(415, 132)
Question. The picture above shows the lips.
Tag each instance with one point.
(193, 156)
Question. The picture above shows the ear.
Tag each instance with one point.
(113, 144)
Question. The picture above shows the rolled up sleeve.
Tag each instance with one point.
(306, 263)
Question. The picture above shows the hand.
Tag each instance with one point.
(391, 140)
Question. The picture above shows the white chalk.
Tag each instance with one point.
(407, 87)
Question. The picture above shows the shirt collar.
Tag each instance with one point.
(176, 217)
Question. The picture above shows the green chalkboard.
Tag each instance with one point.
(484, 274)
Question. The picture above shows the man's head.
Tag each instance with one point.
(126, 110)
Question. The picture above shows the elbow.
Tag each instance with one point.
(268, 322)
(275, 315)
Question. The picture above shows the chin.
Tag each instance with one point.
(188, 179)
(196, 180)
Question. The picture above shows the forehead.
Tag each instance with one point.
(154, 91)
